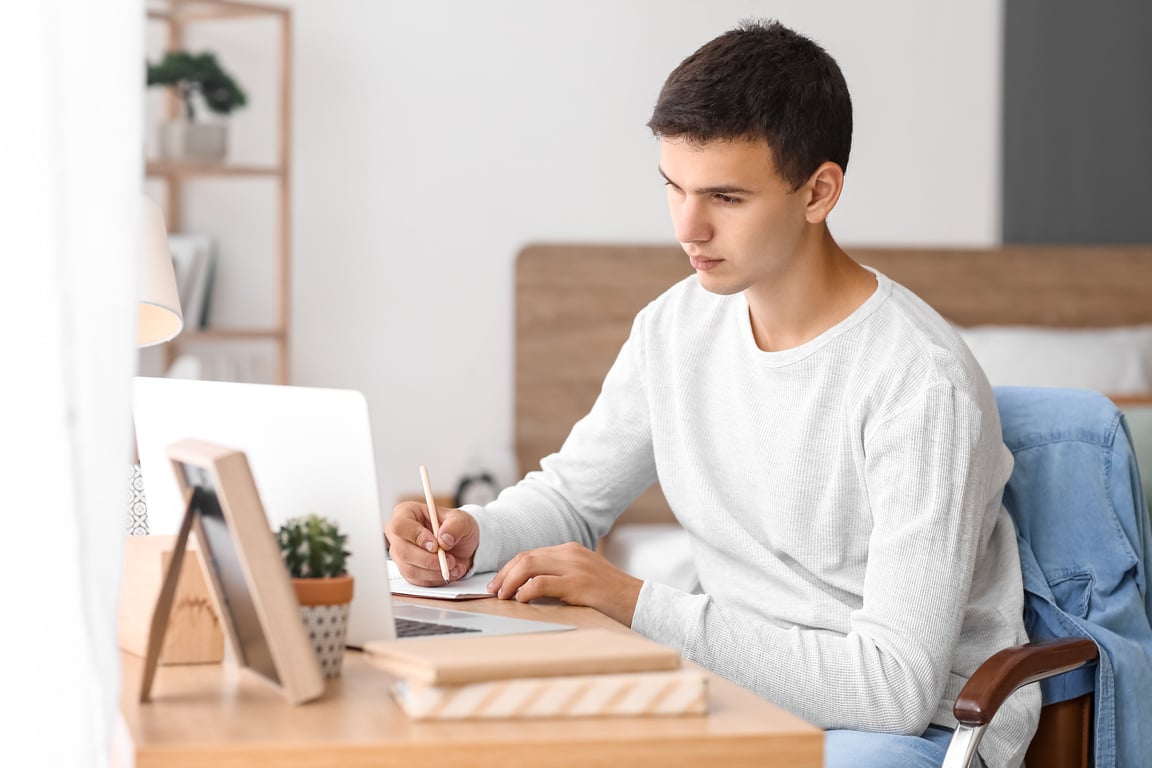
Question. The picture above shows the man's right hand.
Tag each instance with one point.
(412, 546)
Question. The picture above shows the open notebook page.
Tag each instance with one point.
(471, 588)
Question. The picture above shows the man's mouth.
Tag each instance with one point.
(703, 263)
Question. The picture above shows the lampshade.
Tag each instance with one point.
(159, 318)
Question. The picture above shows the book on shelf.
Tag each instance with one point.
(581, 673)
(205, 299)
(194, 259)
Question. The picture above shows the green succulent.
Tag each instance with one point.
(190, 73)
(312, 547)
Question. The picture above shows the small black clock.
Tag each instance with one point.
(478, 488)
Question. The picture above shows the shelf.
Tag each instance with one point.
(232, 334)
(174, 18)
(165, 168)
(207, 10)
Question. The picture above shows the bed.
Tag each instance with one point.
(1042, 315)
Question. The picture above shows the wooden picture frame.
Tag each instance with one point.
(246, 575)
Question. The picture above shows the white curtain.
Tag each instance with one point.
(71, 80)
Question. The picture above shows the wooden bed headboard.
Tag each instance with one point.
(575, 304)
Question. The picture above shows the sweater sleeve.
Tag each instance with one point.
(929, 496)
(579, 491)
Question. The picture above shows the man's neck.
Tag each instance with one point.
(816, 292)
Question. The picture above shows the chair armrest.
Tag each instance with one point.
(1005, 671)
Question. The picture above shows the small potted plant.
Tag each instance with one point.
(196, 77)
(313, 549)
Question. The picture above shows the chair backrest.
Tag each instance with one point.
(1083, 531)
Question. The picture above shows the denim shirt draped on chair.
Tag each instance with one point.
(1083, 534)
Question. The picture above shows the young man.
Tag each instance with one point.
(827, 441)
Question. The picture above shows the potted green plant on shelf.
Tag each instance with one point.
(313, 549)
(197, 77)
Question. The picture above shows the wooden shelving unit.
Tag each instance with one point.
(177, 16)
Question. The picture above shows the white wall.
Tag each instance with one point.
(433, 140)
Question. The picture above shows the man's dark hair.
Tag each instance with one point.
(761, 81)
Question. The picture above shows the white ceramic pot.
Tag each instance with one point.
(200, 143)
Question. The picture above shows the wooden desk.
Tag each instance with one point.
(213, 715)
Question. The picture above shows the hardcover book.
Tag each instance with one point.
(459, 660)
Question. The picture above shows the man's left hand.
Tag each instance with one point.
(571, 573)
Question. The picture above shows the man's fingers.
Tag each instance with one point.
(504, 577)
(539, 586)
(458, 529)
(452, 530)
(426, 541)
(410, 523)
(408, 519)
(411, 545)
(512, 577)
(424, 570)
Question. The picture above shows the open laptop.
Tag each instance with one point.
(310, 450)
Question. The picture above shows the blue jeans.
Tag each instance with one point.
(861, 749)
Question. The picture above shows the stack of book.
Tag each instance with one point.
(579, 673)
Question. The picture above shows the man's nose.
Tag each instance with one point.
(691, 222)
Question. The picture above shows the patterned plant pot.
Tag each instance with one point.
(324, 605)
(137, 505)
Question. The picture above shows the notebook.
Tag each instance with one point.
(310, 450)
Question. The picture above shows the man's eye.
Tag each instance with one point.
(726, 199)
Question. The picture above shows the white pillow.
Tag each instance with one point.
(1115, 361)
(657, 552)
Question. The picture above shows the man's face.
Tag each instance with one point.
(736, 218)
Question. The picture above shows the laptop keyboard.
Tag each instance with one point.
(414, 628)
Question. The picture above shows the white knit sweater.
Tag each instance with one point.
(843, 500)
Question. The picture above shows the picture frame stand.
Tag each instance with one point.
(246, 575)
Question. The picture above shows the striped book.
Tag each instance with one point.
(679, 692)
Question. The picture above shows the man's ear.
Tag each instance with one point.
(824, 187)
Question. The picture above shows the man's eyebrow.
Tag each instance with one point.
(723, 189)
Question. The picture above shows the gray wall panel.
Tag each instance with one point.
(1077, 151)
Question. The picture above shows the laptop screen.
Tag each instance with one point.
(310, 450)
